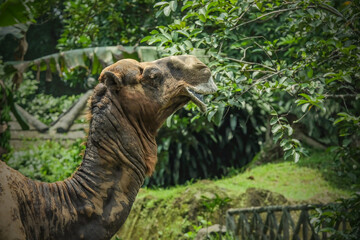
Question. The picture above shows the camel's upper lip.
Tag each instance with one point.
(196, 92)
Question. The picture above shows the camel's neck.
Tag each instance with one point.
(97, 199)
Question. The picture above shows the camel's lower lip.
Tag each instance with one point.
(196, 92)
(197, 98)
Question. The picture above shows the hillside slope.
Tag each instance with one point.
(179, 212)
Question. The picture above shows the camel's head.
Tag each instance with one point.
(152, 91)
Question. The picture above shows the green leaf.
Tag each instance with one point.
(183, 33)
(154, 40)
(160, 4)
(188, 44)
(338, 120)
(290, 129)
(202, 18)
(219, 115)
(168, 121)
(284, 119)
(146, 39)
(309, 72)
(302, 101)
(273, 113)
(273, 120)
(211, 115)
(296, 157)
(287, 146)
(284, 142)
(305, 96)
(202, 11)
(188, 4)
(347, 78)
(14, 12)
(289, 153)
(343, 114)
(158, 13)
(277, 136)
(167, 11)
(305, 107)
(167, 35)
(233, 122)
(96, 65)
(259, 5)
(276, 128)
(173, 5)
(282, 80)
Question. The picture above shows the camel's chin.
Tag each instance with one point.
(196, 93)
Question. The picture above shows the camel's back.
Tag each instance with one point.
(10, 222)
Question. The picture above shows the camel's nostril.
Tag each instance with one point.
(200, 65)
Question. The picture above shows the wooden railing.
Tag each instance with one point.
(273, 222)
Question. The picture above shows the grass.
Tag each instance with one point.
(173, 212)
(287, 178)
(323, 162)
(310, 177)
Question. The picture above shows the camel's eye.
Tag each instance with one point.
(153, 76)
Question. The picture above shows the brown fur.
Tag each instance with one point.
(127, 108)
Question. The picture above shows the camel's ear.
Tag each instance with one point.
(112, 81)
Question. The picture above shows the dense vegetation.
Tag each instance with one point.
(50, 161)
(281, 67)
(44, 107)
(291, 64)
(287, 71)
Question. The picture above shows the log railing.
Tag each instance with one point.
(273, 222)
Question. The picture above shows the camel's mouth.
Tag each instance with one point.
(196, 93)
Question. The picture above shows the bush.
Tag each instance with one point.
(49, 162)
(44, 107)
(329, 219)
(274, 60)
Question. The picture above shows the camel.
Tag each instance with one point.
(130, 103)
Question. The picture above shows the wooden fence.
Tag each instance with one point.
(274, 222)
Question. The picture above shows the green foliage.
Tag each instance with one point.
(4, 116)
(4, 119)
(44, 107)
(212, 203)
(328, 219)
(7, 106)
(346, 163)
(15, 11)
(202, 223)
(89, 23)
(333, 167)
(24, 11)
(49, 162)
(300, 57)
(192, 147)
(47, 108)
(76, 77)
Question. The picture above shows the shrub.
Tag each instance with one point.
(49, 162)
